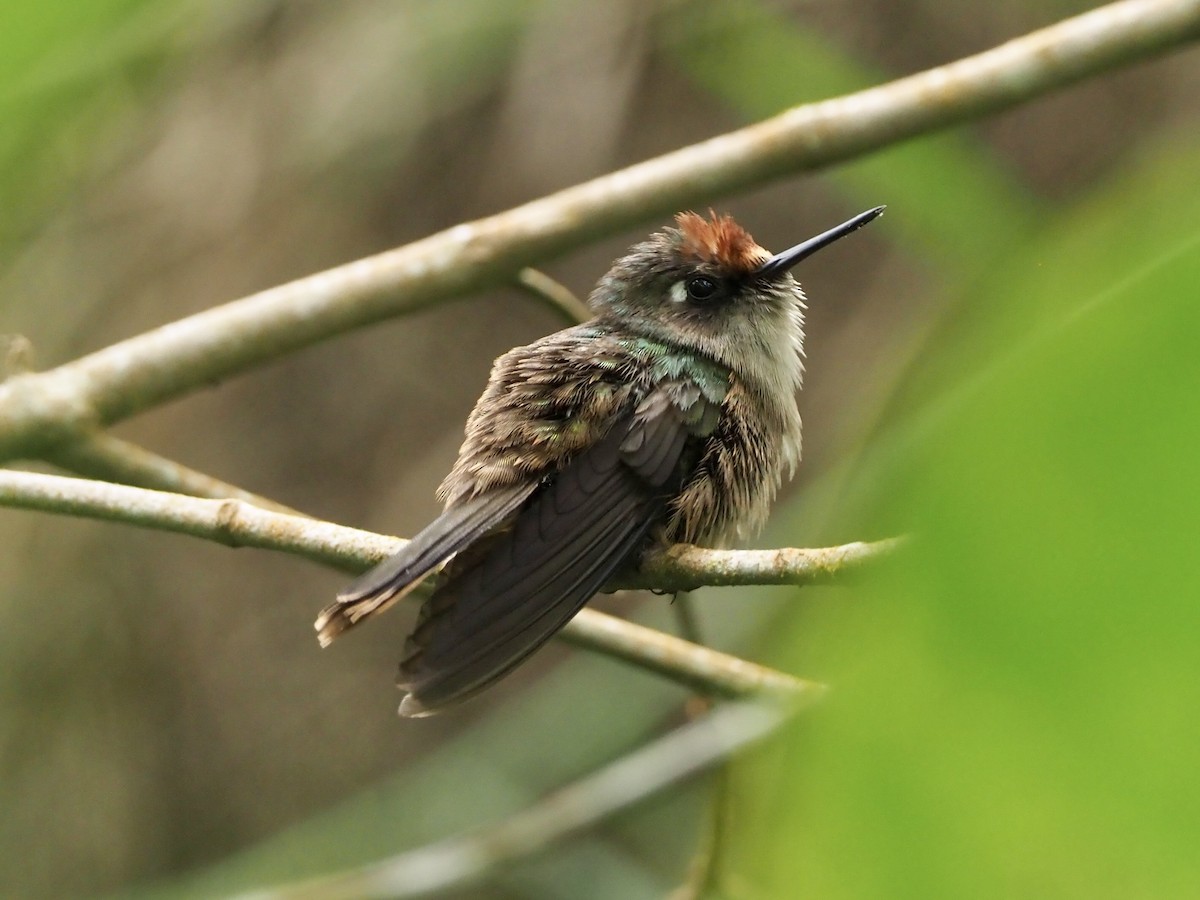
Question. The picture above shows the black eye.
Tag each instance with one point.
(701, 288)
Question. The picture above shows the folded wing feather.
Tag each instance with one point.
(457, 528)
(503, 599)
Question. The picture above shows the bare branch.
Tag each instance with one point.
(232, 522)
(700, 668)
(16, 355)
(684, 567)
(239, 524)
(110, 458)
(554, 294)
(113, 383)
(460, 861)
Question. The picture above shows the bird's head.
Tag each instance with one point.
(707, 285)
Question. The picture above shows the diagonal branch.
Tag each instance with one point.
(703, 669)
(557, 296)
(159, 365)
(231, 521)
(458, 862)
(109, 458)
(239, 524)
(685, 567)
(96, 454)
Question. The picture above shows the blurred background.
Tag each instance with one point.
(1005, 365)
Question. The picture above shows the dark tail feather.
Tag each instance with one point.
(457, 528)
(504, 598)
(499, 605)
(455, 672)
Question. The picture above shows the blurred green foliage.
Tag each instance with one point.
(1014, 712)
(73, 77)
(1014, 703)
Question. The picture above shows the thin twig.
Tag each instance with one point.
(133, 375)
(700, 881)
(699, 874)
(553, 294)
(685, 567)
(687, 621)
(232, 522)
(240, 524)
(461, 861)
(110, 458)
(16, 355)
(237, 523)
(686, 618)
(700, 668)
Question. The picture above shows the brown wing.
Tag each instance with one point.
(508, 595)
(541, 405)
(458, 527)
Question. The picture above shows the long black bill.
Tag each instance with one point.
(781, 262)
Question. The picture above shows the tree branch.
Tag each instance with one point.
(700, 668)
(110, 458)
(460, 861)
(239, 524)
(231, 521)
(236, 523)
(113, 383)
(100, 455)
(685, 567)
(553, 294)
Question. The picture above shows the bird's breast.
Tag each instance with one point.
(739, 471)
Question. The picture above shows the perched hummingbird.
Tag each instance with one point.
(670, 417)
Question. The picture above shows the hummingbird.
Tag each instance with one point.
(669, 417)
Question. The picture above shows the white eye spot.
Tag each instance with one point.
(679, 292)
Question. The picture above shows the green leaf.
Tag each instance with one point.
(1014, 705)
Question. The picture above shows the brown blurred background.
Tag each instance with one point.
(163, 701)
